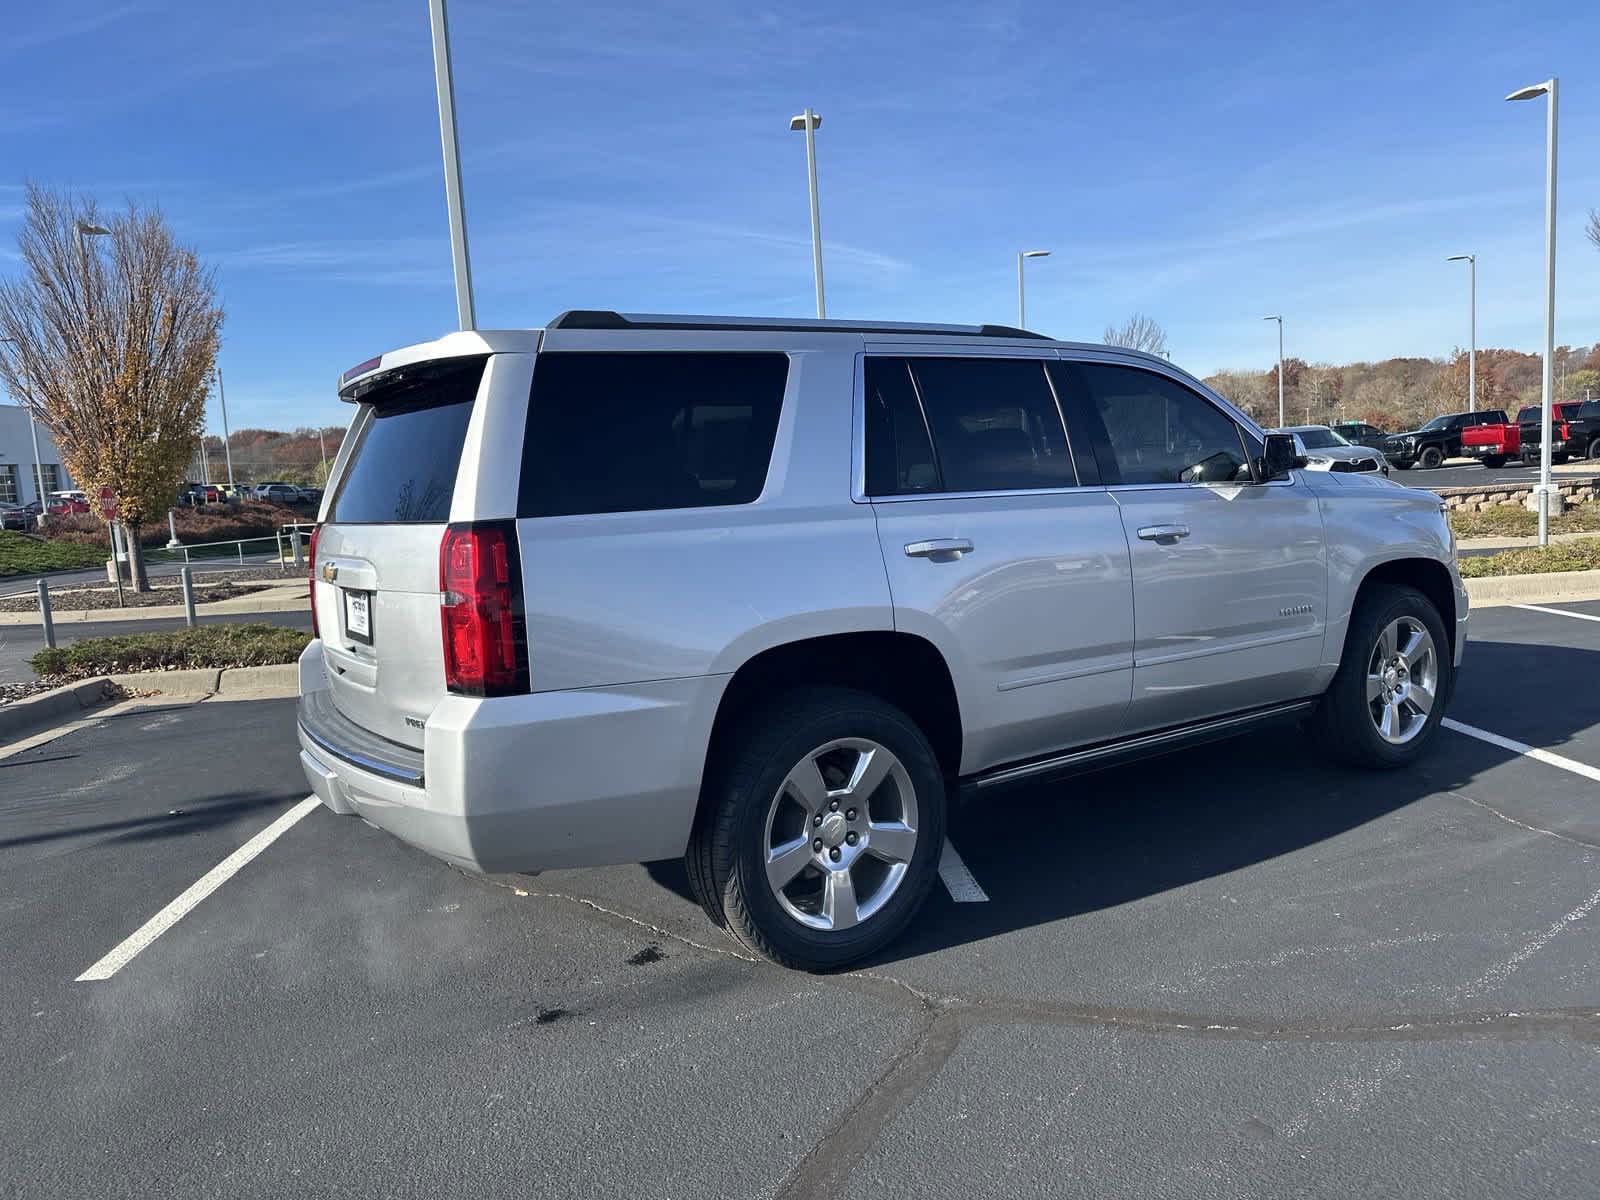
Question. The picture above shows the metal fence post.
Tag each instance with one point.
(172, 527)
(277, 537)
(294, 532)
(44, 615)
(240, 545)
(186, 574)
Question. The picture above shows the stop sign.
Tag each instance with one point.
(108, 504)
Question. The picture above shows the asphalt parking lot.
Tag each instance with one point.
(1466, 472)
(1234, 972)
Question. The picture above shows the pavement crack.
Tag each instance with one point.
(1510, 820)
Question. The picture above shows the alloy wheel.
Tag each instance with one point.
(840, 834)
(1402, 680)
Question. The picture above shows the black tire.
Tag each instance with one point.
(1342, 722)
(1594, 448)
(1431, 458)
(1400, 466)
(726, 859)
(1529, 458)
(1494, 461)
(1558, 459)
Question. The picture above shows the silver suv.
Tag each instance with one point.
(769, 595)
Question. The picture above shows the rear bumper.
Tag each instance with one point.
(526, 783)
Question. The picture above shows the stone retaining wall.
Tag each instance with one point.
(1507, 495)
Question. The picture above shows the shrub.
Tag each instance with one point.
(175, 650)
(1582, 555)
(214, 523)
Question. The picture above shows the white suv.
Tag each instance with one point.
(767, 595)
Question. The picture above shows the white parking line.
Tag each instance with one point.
(197, 891)
(1559, 612)
(1533, 752)
(958, 881)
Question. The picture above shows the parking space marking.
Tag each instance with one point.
(1516, 747)
(130, 947)
(1559, 612)
(958, 881)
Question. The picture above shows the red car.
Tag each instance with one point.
(65, 503)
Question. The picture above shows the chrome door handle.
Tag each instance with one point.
(954, 547)
(1162, 533)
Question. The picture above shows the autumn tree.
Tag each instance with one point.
(111, 349)
(1138, 332)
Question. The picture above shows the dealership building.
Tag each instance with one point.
(17, 479)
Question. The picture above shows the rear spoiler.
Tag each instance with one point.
(403, 377)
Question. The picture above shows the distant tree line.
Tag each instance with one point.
(293, 456)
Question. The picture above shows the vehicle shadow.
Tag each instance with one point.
(1049, 852)
(192, 818)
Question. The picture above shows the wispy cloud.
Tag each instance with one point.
(18, 41)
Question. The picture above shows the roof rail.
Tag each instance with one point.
(599, 318)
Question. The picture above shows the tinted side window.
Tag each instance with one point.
(995, 424)
(403, 470)
(632, 432)
(899, 454)
(1160, 431)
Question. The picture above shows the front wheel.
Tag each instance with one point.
(1400, 466)
(820, 830)
(1430, 458)
(1494, 461)
(1387, 699)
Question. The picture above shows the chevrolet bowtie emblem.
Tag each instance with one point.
(330, 571)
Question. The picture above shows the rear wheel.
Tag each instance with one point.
(1387, 699)
(1494, 461)
(1559, 458)
(1430, 458)
(821, 828)
(1594, 448)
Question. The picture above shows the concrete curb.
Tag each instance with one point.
(35, 713)
(47, 708)
(1487, 544)
(1495, 590)
(278, 598)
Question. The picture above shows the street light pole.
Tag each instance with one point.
(1279, 320)
(810, 122)
(1547, 88)
(227, 447)
(1022, 308)
(86, 229)
(1472, 351)
(444, 85)
(33, 429)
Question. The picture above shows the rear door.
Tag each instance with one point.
(1230, 577)
(377, 565)
(999, 551)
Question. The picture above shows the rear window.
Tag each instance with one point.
(403, 469)
(635, 432)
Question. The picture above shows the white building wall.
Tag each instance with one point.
(16, 458)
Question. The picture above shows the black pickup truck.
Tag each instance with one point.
(1583, 429)
(1565, 443)
(1438, 440)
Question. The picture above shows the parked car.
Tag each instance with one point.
(1436, 441)
(15, 516)
(196, 494)
(1563, 444)
(1494, 444)
(1324, 450)
(65, 503)
(674, 594)
(1583, 430)
(1359, 433)
(280, 493)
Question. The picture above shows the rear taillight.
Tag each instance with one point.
(315, 529)
(480, 576)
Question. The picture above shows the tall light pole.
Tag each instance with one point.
(1022, 307)
(227, 446)
(444, 85)
(810, 122)
(33, 429)
(1279, 320)
(1472, 352)
(1547, 88)
(87, 229)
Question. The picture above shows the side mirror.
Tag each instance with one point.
(1279, 457)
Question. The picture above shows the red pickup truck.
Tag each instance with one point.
(1494, 444)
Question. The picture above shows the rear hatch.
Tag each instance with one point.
(376, 581)
(1499, 438)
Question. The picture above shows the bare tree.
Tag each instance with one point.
(1138, 332)
(1593, 229)
(112, 352)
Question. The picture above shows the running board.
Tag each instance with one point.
(1110, 754)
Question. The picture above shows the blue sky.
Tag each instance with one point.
(1205, 167)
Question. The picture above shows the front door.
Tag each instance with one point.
(1229, 575)
(999, 552)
